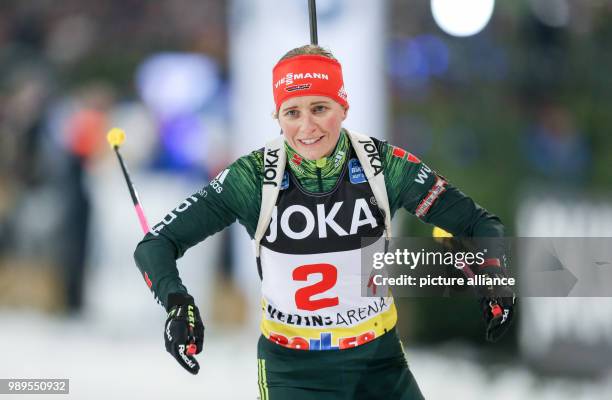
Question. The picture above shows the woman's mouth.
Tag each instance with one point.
(309, 142)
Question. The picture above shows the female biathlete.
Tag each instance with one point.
(307, 199)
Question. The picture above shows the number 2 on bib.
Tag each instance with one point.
(303, 296)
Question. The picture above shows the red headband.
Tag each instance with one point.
(308, 75)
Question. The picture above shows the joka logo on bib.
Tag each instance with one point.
(292, 219)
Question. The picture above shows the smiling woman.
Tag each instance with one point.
(307, 199)
(311, 125)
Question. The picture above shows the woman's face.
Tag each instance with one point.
(311, 125)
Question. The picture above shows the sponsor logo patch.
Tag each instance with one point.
(401, 153)
(296, 159)
(436, 190)
(373, 156)
(217, 183)
(413, 159)
(173, 215)
(295, 88)
(285, 182)
(423, 174)
(342, 93)
(356, 174)
(319, 220)
(324, 342)
(338, 158)
(181, 349)
(398, 152)
(291, 76)
(271, 162)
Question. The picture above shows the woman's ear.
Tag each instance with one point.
(345, 113)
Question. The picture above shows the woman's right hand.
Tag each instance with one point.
(184, 331)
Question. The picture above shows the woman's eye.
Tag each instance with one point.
(318, 109)
(291, 113)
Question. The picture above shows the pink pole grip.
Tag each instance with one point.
(141, 217)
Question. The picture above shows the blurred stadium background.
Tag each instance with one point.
(510, 100)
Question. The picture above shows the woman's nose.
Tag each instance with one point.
(308, 124)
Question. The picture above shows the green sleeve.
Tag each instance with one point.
(411, 184)
(234, 194)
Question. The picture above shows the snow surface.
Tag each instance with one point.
(125, 361)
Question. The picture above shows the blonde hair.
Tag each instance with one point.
(308, 49)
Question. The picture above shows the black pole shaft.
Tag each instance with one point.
(312, 13)
(126, 175)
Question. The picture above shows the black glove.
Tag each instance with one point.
(498, 315)
(497, 302)
(184, 331)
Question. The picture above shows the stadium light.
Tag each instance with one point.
(462, 18)
(177, 83)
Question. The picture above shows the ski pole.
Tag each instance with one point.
(115, 138)
(312, 14)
